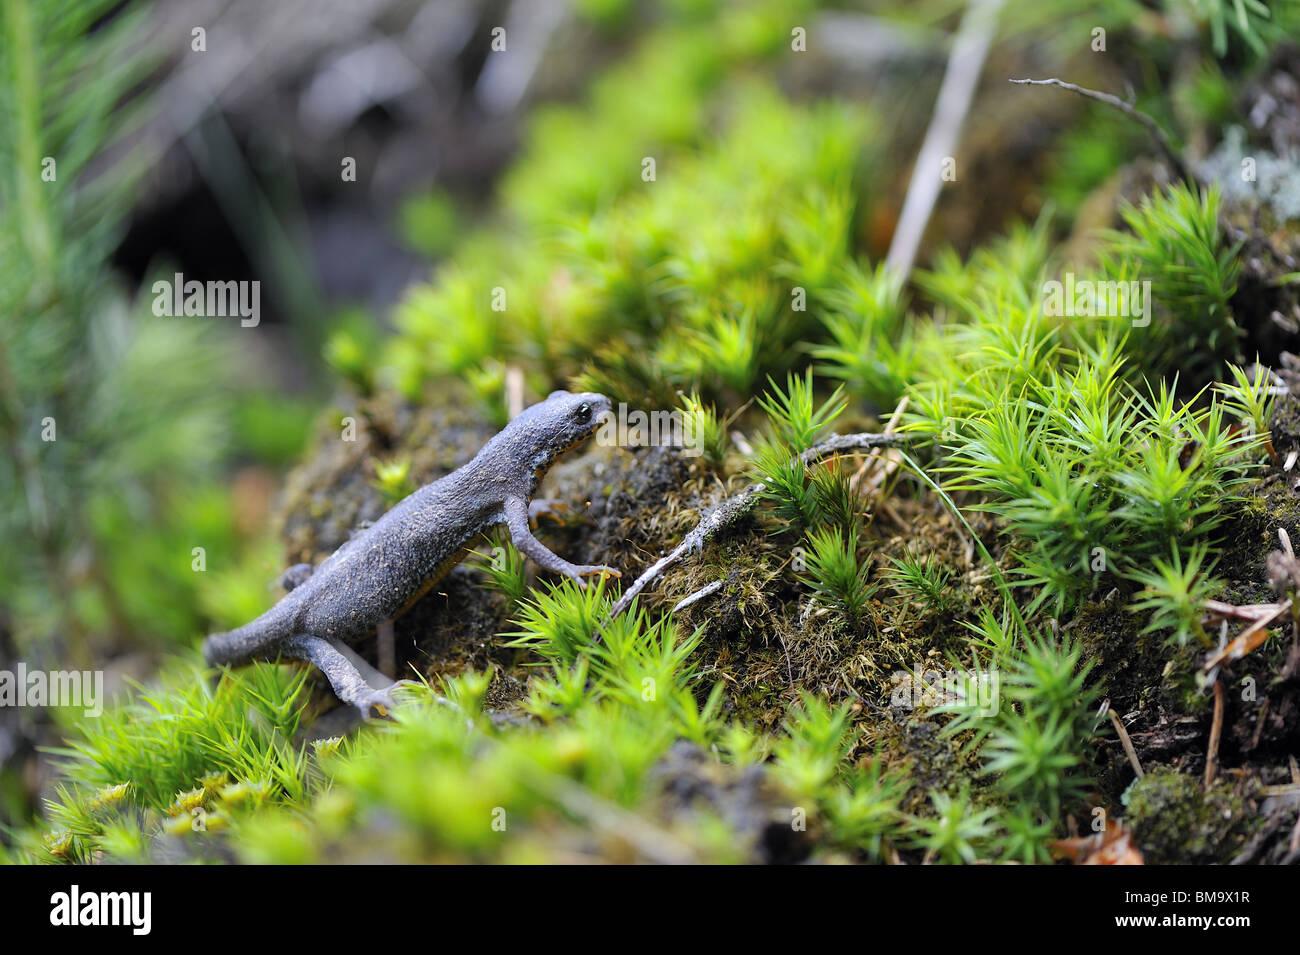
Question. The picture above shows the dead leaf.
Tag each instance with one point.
(1114, 846)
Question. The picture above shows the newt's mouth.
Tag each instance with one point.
(591, 429)
(540, 471)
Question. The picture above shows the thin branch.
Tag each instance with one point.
(705, 591)
(1255, 612)
(1158, 134)
(1216, 733)
(731, 510)
(869, 480)
(505, 80)
(1124, 739)
(965, 64)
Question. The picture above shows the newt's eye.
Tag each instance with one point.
(583, 412)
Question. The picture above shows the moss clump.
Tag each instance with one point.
(1140, 674)
(1285, 427)
(1176, 819)
(692, 784)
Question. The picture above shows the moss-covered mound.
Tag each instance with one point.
(1063, 594)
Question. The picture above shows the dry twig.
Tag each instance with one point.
(731, 510)
(1162, 141)
(1125, 741)
(1216, 733)
(965, 64)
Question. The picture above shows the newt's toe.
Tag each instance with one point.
(376, 705)
(593, 570)
(379, 704)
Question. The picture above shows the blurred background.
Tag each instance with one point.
(343, 153)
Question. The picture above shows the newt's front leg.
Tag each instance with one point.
(516, 515)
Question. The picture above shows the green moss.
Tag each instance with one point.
(759, 723)
(1175, 819)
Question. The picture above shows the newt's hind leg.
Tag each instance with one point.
(354, 680)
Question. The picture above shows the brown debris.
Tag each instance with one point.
(1112, 846)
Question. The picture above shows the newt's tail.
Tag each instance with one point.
(258, 640)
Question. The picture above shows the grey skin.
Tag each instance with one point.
(382, 571)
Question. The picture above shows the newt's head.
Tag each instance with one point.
(544, 431)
